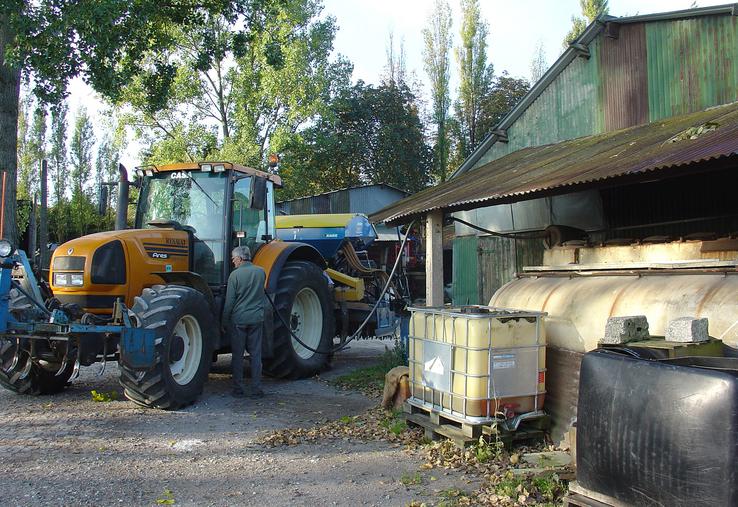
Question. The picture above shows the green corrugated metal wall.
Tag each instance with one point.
(465, 271)
(692, 64)
(483, 264)
(563, 111)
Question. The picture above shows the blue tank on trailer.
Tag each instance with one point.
(327, 232)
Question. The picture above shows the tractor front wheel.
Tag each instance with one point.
(183, 322)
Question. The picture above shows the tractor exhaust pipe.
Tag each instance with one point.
(121, 215)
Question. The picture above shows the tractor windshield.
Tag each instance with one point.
(195, 199)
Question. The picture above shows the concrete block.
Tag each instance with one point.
(687, 330)
(619, 330)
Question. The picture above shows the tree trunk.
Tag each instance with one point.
(9, 94)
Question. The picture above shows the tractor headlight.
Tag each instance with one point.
(6, 248)
(69, 279)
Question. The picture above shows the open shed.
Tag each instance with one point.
(631, 137)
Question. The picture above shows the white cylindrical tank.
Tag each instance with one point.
(578, 305)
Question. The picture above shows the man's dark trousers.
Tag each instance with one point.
(249, 337)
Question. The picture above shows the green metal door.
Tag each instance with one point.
(465, 271)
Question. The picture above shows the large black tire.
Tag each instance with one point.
(185, 333)
(42, 378)
(305, 303)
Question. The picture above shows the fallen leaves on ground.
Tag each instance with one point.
(485, 461)
(373, 425)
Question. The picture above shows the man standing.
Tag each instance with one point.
(243, 317)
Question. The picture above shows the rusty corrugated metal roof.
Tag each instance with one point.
(555, 168)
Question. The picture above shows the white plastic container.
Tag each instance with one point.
(477, 363)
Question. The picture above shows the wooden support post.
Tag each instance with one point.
(434, 258)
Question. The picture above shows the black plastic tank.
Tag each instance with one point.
(658, 432)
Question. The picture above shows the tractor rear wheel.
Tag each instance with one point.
(183, 322)
(303, 300)
(41, 378)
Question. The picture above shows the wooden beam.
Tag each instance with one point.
(434, 258)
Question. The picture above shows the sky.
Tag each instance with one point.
(515, 29)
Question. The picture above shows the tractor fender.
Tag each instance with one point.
(273, 256)
(188, 279)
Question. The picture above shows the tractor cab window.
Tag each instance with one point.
(249, 224)
(194, 199)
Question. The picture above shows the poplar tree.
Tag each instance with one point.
(538, 65)
(475, 76)
(80, 153)
(591, 10)
(437, 47)
(58, 169)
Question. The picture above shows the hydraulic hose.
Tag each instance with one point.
(371, 312)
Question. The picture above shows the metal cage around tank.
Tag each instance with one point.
(471, 363)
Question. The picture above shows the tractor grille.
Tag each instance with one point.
(69, 263)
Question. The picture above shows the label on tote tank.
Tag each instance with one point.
(502, 361)
(437, 365)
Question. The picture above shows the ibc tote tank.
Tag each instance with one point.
(476, 362)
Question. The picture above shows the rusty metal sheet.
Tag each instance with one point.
(562, 389)
(624, 76)
(576, 164)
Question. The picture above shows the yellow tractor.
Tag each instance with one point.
(171, 272)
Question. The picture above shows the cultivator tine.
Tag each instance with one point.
(75, 371)
(16, 357)
(104, 359)
(29, 362)
(26, 369)
(64, 365)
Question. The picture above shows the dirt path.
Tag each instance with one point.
(70, 450)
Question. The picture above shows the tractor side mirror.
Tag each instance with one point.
(258, 193)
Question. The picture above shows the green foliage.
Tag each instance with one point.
(104, 396)
(549, 487)
(506, 92)
(437, 39)
(107, 40)
(591, 9)
(80, 152)
(167, 498)
(394, 422)
(371, 135)
(32, 149)
(408, 479)
(58, 170)
(475, 77)
(371, 378)
(451, 497)
(256, 90)
(509, 486)
(485, 451)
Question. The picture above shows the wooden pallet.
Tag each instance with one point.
(582, 497)
(577, 500)
(437, 425)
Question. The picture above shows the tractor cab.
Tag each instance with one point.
(221, 205)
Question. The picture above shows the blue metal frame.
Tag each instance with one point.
(136, 345)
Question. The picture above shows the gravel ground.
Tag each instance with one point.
(69, 450)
